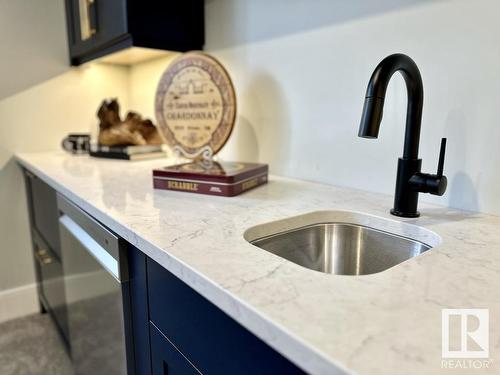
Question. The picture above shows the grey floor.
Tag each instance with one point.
(32, 346)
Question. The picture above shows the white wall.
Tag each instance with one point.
(301, 68)
(37, 118)
(32, 41)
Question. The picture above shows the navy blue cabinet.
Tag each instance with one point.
(93, 26)
(166, 359)
(43, 216)
(50, 283)
(212, 341)
(139, 311)
(99, 27)
(43, 212)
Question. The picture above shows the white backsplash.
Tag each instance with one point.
(301, 68)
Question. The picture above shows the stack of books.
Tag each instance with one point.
(144, 152)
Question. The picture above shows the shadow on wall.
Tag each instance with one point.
(266, 112)
(463, 193)
(234, 22)
(243, 144)
(16, 267)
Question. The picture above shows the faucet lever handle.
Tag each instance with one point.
(442, 152)
(431, 183)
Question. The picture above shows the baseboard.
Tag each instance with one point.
(18, 302)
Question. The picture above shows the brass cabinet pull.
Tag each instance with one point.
(43, 257)
(47, 260)
(86, 28)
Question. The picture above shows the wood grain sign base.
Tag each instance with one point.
(195, 104)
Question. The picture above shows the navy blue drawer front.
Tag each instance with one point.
(166, 359)
(43, 210)
(51, 284)
(209, 338)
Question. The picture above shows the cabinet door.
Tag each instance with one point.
(51, 285)
(166, 359)
(43, 210)
(93, 24)
(213, 342)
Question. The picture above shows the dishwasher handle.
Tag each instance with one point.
(105, 246)
(101, 255)
(102, 235)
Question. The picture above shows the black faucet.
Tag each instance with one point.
(409, 181)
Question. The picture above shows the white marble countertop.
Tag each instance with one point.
(386, 323)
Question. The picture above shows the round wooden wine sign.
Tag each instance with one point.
(195, 105)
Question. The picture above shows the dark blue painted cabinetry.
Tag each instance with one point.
(212, 341)
(177, 331)
(139, 311)
(166, 359)
(43, 215)
(99, 27)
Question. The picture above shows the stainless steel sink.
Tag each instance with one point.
(341, 248)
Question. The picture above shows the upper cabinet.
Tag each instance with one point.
(98, 28)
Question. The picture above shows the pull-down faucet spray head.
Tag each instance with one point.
(371, 117)
(375, 97)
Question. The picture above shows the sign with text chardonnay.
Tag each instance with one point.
(195, 105)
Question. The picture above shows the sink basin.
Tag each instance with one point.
(346, 248)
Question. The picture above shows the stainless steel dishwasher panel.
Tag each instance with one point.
(93, 286)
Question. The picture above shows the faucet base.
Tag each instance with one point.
(404, 214)
(405, 197)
